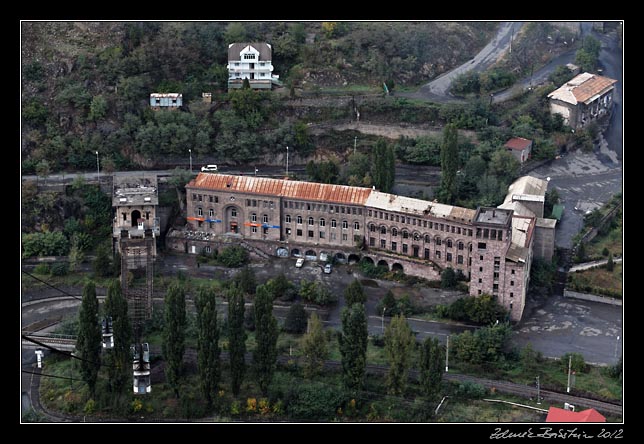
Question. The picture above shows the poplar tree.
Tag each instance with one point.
(236, 337)
(88, 343)
(449, 163)
(120, 360)
(353, 345)
(266, 333)
(314, 347)
(354, 293)
(174, 334)
(399, 343)
(207, 343)
(431, 366)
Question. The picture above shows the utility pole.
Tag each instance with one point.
(190, 151)
(383, 320)
(447, 356)
(355, 142)
(287, 161)
(538, 392)
(98, 171)
(569, 370)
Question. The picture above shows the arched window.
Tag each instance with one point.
(460, 245)
(383, 230)
(322, 222)
(310, 221)
(288, 218)
(449, 243)
(416, 236)
(438, 241)
(211, 212)
(427, 239)
(253, 217)
(356, 225)
(345, 224)
(405, 234)
(334, 223)
(199, 211)
(265, 218)
(372, 228)
(394, 232)
(299, 220)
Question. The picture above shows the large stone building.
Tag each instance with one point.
(584, 99)
(250, 61)
(491, 246)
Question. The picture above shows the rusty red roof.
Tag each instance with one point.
(518, 143)
(284, 188)
(556, 414)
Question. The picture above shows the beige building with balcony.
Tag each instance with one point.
(252, 61)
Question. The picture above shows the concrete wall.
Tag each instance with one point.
(544, 243)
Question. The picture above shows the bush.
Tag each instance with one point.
(470, 390)
(42, 269)
(578, 363)
(315, 401)
(296, 319)
(60, 269)
(233, 256)
(448, 278)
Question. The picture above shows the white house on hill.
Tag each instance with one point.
(251, 61)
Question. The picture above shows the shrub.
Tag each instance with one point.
(295, 319)
(42, 268)
(470, 390)
(60, 269)
(233, 256)
(315, 401)
(448, 278)
(578, 364)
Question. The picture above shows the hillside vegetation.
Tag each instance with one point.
(85, 85)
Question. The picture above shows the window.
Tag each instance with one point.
(460, 245)
(310, 221)
(383, 243)
(394, 232)
(481, 269)
(512, 283)
(438, 241)
(345, 225)
(512, 271)
(322, 222)
(334, 223)
(356, 226)
(200, 198)
(288, 231)
(254, 202)
(207, 249)
(511, 294)
(333, 236)
(124, 216)
(394, 246)
(496, 275)
(415, 249)
(288, 219)
(299, 220)
(416, 236)
(449, 243)
(310, 233)
(344, 236)
(495, 288)
(482, 246)
(479, 292)
(353, 210)
(253, 229)
(321, 234)
(405, 248)
(383, 230)
(210, 198)
(253, 217)
(285, 204)
(200, 211)
(299, 232)
(372, 228)
(369, 213)
(437, 254)
(211, 212)
(194, 196)
(308, 207)
(449, 257)
(426, 253)
(265, 218)
(480, 281)
(405, 234)
(211, 225)
(427, 239)
(372, 241)
(459, 259)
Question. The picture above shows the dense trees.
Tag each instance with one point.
(88, 343)
(384, 166)
(174, 334)
(354, 293)
(207, 343)
(449, 163)
(431, 366)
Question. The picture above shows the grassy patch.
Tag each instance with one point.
(611, 241)
(597, 278)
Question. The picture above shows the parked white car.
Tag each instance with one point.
(327, 269)
(299, 263)
(209, 168)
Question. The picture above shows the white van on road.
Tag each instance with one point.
(209, 168)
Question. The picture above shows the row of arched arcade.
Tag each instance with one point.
(339, 257)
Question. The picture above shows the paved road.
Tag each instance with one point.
(437, 89)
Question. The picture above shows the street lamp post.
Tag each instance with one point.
(256, 171)
(384, 309)
(355, 142)
(98, 170)
(287, 161)
(190, 151)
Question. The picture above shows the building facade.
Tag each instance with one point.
(490, 246)
(584, 99)
(250, 61)
(166, 101)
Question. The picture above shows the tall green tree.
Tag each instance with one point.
(102, 265)
(174, 334)
(353, 345)
(207, 343)
(354, 293)
(236, 337)
(314, 347)
(431, 366)
(266, 333)
(120, 360)
(295, 319)
(246, 280)
(610, 265)
(88, 343)
(390, 169)
(399, 342)
(449, 163)
(379, 164)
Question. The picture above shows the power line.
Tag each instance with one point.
(69, 354)
(51, 376)
(52, 286)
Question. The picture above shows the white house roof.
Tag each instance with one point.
(235, 49)
(527, 188)
(583, 88)
(409, 205)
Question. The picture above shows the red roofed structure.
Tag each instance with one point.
(556, 414)
(521, 148)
